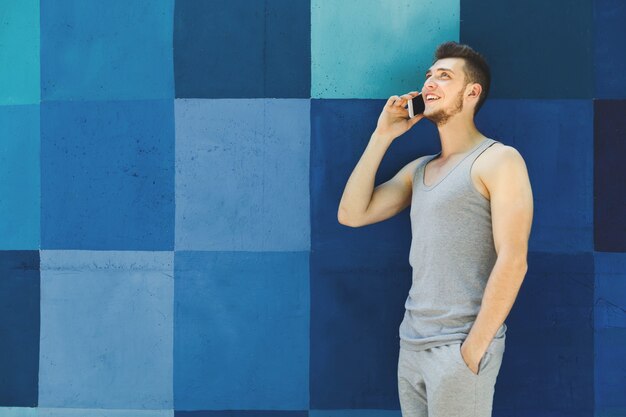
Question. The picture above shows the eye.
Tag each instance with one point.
(444, 73)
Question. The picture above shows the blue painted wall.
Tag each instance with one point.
(169, 179)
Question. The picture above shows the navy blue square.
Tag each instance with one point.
(242, 49)
(609, 212)
(535, 48)
(555, 138)
(609, 58)
(550, 339)
(339, 136)
(19, 328)
(357, 305)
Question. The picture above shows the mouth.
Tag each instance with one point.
(430, 98)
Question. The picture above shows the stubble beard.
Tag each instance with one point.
(441, 116)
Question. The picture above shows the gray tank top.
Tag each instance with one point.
(452, 254)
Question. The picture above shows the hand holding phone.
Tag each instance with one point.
(416, 105)
(395, 119)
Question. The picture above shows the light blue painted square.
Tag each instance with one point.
(107, 175)
(19, 52)
(242, 175)
(241, 338)
(86, 412)
(107, 50)
(555, 138)
(19, 412)
(20, 189)
(375, 49)
(106, 329)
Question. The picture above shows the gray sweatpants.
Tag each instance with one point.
(437, 382)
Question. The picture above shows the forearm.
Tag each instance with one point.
(500, 293)
(360, 186)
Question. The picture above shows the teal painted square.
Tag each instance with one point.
(19, 52)
(99, 50)
(375, 49)
(20, 185)
(241, 334)
(106, 329)
(242, 175)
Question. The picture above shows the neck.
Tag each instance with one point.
(458, 136)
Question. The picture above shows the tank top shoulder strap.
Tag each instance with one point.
(479, 150)
(420, 165)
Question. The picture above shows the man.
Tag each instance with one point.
(471, 215)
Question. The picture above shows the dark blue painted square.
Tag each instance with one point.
(609, 54)
(19, 328)
(548, 361)
(610, 376)
(535, 48)
(107, 178)
(109, 50)
(242, 413)
(340, 132)
(610, 323)
(555, 138)
(357, 305)
(609, 175)
(242, 49)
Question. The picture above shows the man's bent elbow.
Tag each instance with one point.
(345, 219)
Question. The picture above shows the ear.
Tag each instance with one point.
(475, 90)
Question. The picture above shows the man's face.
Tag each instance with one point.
(445, 79)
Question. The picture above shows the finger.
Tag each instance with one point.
(401, 101)
(404, 99)
(391, 100)
(407, 97)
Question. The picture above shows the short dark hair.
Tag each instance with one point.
(476, 67)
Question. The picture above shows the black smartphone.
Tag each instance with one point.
(416, 105)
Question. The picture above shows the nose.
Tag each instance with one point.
(429, 84)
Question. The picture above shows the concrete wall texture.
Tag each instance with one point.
(170, 172)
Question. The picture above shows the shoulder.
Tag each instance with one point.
(498, 162)
(411, 168)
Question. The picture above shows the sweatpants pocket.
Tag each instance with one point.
(481, 365)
